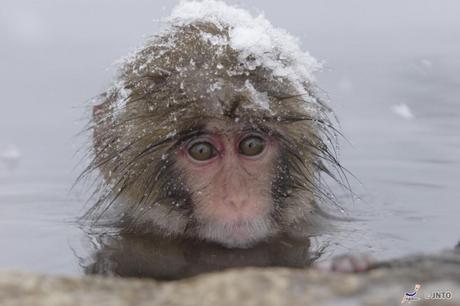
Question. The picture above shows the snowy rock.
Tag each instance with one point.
(386, 284)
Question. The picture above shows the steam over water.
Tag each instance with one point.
(390, 72)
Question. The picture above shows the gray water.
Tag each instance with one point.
(54, 56)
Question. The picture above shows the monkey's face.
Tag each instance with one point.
(251, 168)
(229, 171)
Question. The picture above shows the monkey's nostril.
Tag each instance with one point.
(235, 203)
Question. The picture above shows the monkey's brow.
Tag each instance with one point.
(256, 128)
(189, 133)
(198, 131)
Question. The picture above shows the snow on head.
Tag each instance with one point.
(210, 49)
(256, 40)
(260, 99)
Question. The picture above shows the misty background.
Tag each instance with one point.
(391, 73)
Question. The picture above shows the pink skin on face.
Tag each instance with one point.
(231, 190)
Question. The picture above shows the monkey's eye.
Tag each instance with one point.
(252, 145)
(202, 151)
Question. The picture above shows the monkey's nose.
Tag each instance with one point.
(235, 202)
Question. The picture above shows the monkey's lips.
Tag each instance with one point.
(240, 233)
(235, 225)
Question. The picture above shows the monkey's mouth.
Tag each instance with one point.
(237, 234)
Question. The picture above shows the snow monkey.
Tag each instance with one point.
(214, 130)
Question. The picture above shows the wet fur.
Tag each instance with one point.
(133, 146)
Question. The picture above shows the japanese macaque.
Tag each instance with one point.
(202, 136)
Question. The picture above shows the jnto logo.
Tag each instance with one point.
(435, 295)
(411, 296)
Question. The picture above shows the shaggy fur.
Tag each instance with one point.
(166, 93)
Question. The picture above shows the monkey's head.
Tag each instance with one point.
(201, 137)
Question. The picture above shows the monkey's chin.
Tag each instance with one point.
(237, 234)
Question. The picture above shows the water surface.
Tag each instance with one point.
(54, 57)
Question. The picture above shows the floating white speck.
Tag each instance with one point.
(11, 153)
(426, 63)
(403, 110)
(424, 66)
(11, 156)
